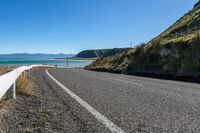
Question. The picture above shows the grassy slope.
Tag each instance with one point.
(117, 63)
(99, 53)
(91, 53)
(174, 52)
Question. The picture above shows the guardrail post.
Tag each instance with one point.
(14, 90)
(24, 73)
(8, 80)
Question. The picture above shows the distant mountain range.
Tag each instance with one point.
(39, 55)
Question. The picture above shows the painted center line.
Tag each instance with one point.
(108, 123)
(127, 81)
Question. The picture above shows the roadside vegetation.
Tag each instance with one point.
(116, 64)
(3, 70)
(25, 86)
(176, 57)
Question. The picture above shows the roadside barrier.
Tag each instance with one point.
(8, 80)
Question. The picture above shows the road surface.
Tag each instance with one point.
(134, 104)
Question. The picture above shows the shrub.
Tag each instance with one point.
(24, 86)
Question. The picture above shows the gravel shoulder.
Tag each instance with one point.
(51, 110)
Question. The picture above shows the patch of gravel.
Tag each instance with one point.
(45, 112)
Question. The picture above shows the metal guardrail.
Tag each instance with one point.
(8, 80)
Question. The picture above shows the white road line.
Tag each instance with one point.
(108, 123)
(128, 81)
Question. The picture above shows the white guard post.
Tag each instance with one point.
(14, 90)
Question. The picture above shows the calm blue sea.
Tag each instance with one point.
(61, 62)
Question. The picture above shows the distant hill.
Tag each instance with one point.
(91, 53)
(26, 55)
(99, 53)
(175, 52)
(116, 63)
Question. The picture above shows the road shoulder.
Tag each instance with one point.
(51, 110)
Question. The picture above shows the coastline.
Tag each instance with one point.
(50, 61)
(76, 58)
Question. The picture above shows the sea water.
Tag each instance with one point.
(71, 63)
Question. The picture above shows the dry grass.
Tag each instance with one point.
(3, 70)
(25, 86)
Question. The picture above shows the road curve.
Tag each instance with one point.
(134, 104)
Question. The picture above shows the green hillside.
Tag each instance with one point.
(91, 53)
(117, 63)
(174, 52)
(99, 53)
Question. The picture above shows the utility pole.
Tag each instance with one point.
(131, 44)
(67, 62)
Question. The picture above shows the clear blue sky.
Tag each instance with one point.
(69, 26)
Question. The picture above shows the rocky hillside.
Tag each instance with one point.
(175, 52)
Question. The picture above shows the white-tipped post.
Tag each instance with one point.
(14, 90)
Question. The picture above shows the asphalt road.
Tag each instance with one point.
(134, 104)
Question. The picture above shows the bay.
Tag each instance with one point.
(72, 63)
